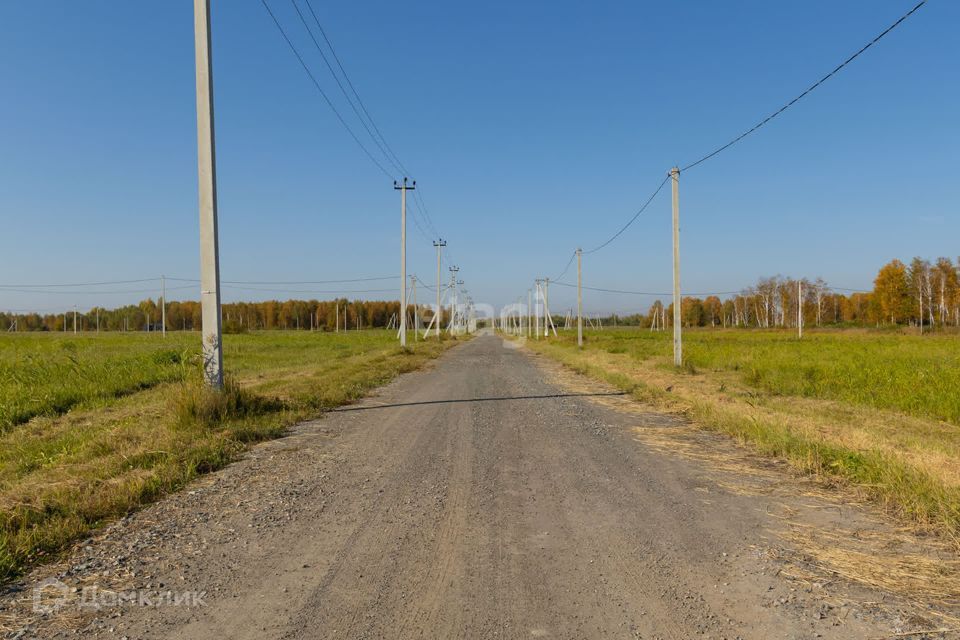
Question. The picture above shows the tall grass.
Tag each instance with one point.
(132, 422)
(916, 375)
(863, 406)
(49, 374)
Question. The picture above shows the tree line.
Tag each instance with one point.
(920, 294)
(237, 316)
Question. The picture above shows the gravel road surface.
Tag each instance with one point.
(478, 498)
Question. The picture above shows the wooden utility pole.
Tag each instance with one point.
(403, 256)
(439, 244)
(579, 299)
(677, 336)
(211, 328)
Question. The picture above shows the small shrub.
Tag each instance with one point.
(166, 356)
(197, 405)
(232, 326)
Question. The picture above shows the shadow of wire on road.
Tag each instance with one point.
(463, 400)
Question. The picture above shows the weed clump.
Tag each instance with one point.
(198, 405)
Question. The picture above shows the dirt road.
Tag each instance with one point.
(476, 499)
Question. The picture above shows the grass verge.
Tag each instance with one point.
(65, 472)
(907, 462)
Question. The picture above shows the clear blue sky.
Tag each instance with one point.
(532, 127)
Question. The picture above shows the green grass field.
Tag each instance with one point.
(49, 374)
(877, 409)
(917, 375)
(95, 425)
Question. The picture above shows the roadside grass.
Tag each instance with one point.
(857, 406)
(50, 374)
(70, 469)
(911, 374)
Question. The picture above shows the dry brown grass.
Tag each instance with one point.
(909, 464)
(828, 528)
(64, 475)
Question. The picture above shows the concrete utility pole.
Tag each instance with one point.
(439, 244)
(163, 304)
(536, 309)
(547, 316)
(74, 319)
(416, 313)
(207, 173)
(528, 313)
(461, 316)
(579, 299)
(677, 336)
(800, 309)
(546, 307)
(453, 295)
(402, 188)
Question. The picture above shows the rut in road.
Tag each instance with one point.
(475, 499)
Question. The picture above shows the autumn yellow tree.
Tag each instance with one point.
(892, 292)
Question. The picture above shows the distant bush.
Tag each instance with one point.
(232, 326)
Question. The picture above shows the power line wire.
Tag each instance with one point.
(384, 148)
(566, 268)
(849, 290)
(422, 205)
(651, 293)
(80, 284)
(809, 89)
(631, 221)
(353, 89)
(81, 292)
(343, 90)
(733, 142)
(322, 92)
(272, 290)
(263, 282)
(688, 293)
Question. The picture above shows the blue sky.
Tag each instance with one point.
(532, 128)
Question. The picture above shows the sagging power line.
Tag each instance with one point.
(356, 105)
(674, 177)
(805, 92)
(323, 93)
